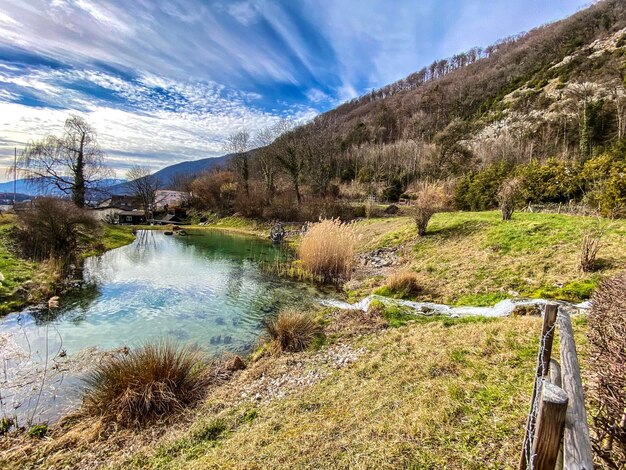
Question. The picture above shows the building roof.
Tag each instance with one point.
(139, 213)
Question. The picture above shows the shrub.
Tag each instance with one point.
(607, 369)
(507, 197)
(327, 250)
(215, 191)
(52, 227)
(147, 383)
(291, 331)
(478, 191)
(402, 284)
(430, 199)
(589, 250)
(552, 181)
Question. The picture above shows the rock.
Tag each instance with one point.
(392, 209)
(53, 302)
(236, 363)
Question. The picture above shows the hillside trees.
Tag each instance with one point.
(144, 186)
(239, 143)
(71, 163)
(266, 154)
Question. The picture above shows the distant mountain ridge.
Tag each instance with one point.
(166, 176)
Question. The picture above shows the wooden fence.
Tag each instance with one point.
(557, 435)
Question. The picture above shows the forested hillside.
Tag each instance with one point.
(547, 107)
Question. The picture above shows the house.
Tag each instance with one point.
(166, 198)
(123, 202)
(168, 219)
(131, 217)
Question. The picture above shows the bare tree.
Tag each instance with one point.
(144, 186)
(238, 143)
(266, 155)
(72, 163)
(292, 158)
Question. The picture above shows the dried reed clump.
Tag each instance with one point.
(327, 250)
(589, 250)
(291, 331)
(430, 199)
(403, 284)
(508, 194)
(607, 369)
(147, 383)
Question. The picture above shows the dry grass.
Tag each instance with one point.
(327, 250)
(291, 331)
(402, 284)
(436, 395)
(589, 250)
(147, 383)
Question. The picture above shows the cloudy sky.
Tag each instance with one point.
(167, 81)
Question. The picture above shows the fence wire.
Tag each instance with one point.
(542, 371)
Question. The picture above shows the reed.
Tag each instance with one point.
(327, 250)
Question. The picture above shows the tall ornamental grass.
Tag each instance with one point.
(327, 250)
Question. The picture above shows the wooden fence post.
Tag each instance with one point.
(576, 443)
(549, 429)
(543, 367)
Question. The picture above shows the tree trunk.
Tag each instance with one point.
(78, 193)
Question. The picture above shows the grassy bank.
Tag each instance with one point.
(23, 278)
(476, 259)
(447, 393)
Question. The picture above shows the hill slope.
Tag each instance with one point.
(558, 90)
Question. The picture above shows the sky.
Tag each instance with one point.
(167, 81)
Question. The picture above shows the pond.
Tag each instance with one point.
(205, 289)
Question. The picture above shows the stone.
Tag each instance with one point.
(392, 209)
(236, 363)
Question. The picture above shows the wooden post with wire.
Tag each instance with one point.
(543, 368)
(557, 434)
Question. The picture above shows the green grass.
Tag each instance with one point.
(18, 271)
(473, 258)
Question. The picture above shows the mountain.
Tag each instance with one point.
(31, 187)
(169, 175)
(558, 90)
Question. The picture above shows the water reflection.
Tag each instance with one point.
(199, 289)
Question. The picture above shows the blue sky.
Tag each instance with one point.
(167, 81)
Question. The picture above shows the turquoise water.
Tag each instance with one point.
(208, 290)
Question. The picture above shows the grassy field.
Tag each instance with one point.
(422, 393)
(476, 259)
(20, 273)
(424, 396)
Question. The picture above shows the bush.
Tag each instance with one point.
(150, 382)
(589, 250)
(52, 227)
(552, 181)
(402, 284)
(607, 369)
(215, 191)
(479, 191)
(507, 197)
(327, 250)
(291, 331)
(431, 198)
